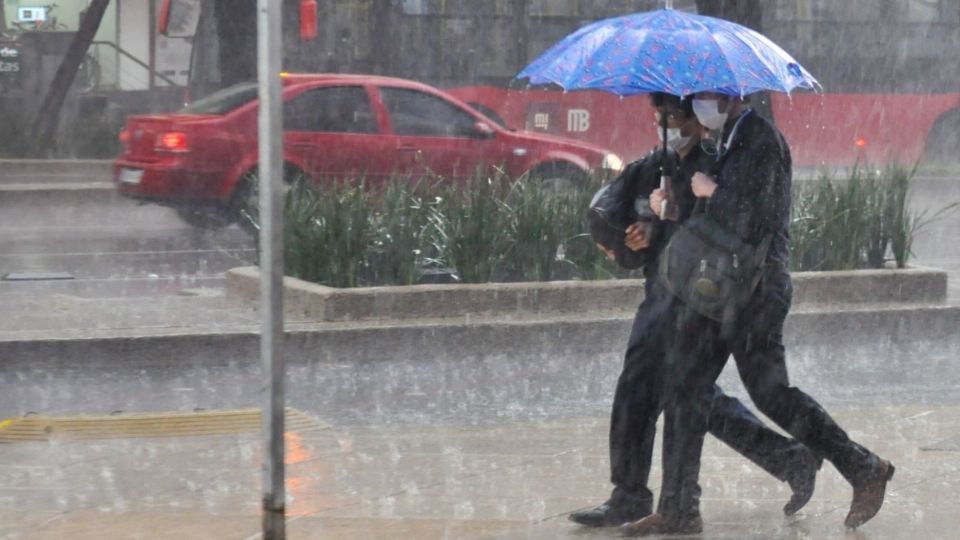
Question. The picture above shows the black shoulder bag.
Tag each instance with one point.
(711, 269)
(614, 207)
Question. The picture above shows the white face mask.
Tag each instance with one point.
(675, 139)
(708, 113)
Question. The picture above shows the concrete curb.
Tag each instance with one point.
(312, 302)
(462, 338)
(476, 362)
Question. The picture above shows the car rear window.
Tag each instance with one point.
(224, 101)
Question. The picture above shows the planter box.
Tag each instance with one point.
(308, 301)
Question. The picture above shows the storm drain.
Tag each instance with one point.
(144, 425)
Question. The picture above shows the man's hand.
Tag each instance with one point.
(657, 198)
(608, 252)
(636, 238)
(703, 185)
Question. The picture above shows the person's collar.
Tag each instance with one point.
(730, 128)
(694, 145)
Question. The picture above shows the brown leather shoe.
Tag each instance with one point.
(659, 524)
(868, 495)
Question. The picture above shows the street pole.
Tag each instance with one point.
(269, 52)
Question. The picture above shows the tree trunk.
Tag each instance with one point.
(236, 22)
(47, 118)
(383, 24)
(520, 11)
(749, 13)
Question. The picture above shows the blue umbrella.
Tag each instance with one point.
(668, 51)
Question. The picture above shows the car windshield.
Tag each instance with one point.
(223, 101)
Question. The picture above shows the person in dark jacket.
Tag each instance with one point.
(749, 194)
(636, 404)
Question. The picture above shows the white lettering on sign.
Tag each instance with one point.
(578, 120)
(541, 121)
(9, 67)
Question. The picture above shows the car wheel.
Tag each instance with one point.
(943, 141)
(245, 203)
(205, 216)
(559, 178)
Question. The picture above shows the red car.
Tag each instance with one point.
(204, 157)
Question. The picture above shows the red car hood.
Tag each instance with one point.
(533, 137)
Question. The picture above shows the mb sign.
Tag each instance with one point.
(32, 14)
(578, 120)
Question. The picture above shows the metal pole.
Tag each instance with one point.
(269, 49)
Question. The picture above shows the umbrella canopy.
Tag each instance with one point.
(668, 51)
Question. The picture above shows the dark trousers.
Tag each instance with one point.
(637, 405)
(698, 355)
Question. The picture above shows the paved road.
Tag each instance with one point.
(111, 246)
(464, 448)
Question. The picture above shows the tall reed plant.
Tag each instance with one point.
(328, 233)
(860, 221)
(401, 227)
(470, 227)
(493, 228)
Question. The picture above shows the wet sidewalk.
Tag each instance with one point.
(423, 480)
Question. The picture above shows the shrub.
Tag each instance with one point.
(493, 228)
(859, 221)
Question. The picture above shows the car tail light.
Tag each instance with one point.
(172, 141)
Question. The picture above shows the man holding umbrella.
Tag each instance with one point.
(749, 195)
(636, 404)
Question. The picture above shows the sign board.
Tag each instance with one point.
(32, 14)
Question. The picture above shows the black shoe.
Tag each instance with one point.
(802, 480)
(613, 514)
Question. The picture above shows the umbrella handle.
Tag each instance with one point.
(664, 155)
(664, 204)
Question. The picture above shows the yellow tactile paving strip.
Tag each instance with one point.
(143, 425)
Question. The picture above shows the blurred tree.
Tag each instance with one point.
(384, 25)
(236, 22)
(746, 12)
(520, 13)
(47, 118)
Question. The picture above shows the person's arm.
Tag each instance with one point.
(753, 184)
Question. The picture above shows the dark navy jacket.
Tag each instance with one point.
(753, 193)
(644, 177)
